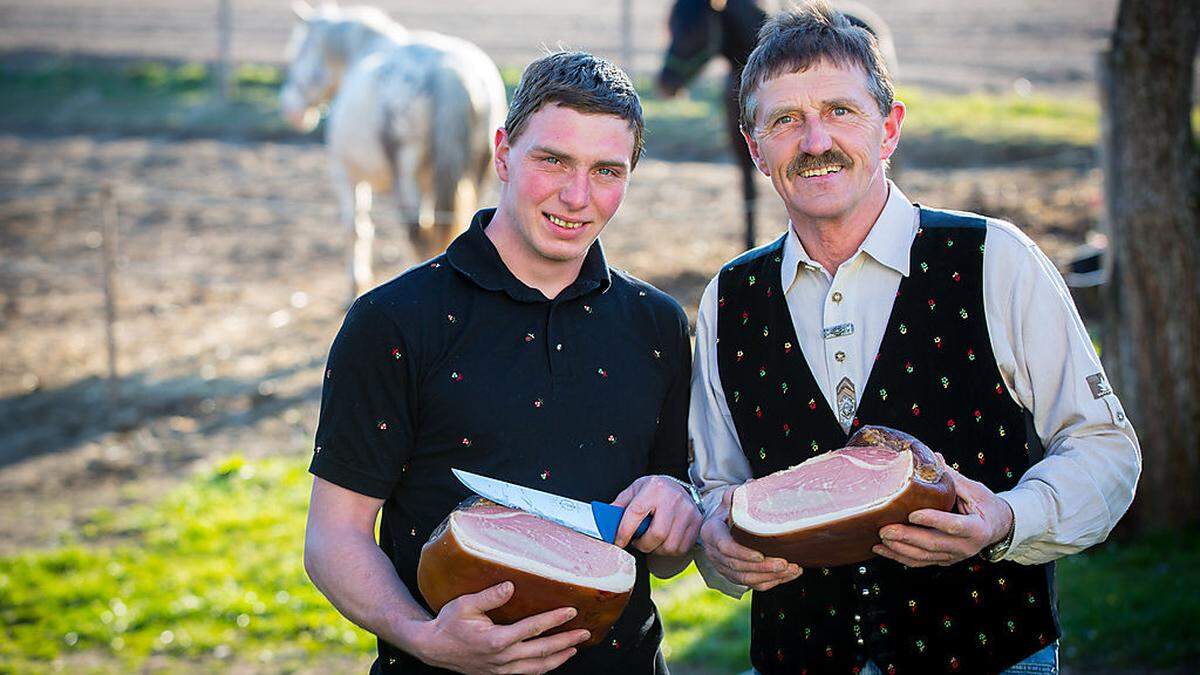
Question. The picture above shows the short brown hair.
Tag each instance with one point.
(798, 39)
(581, 82)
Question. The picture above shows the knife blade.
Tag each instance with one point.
(597, 519)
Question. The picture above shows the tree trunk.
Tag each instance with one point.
(1152, 197)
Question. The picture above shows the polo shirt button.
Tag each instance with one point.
(840, 356)
(859, 641)
(837, 296)
(857, 617)
(558, 347)
(862, 570)
(866, 591)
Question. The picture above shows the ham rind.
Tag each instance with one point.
(828, 511)
(481, 544)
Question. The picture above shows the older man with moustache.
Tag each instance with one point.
(950, 326)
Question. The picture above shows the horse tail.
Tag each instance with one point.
(454, 138)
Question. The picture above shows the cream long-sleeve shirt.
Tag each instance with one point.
(1064, 503)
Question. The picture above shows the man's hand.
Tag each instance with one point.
(676, 521)
(737, 563)
(941, 538)
(462, 638)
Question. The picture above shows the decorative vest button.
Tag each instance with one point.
(837, 296)
(840, 356)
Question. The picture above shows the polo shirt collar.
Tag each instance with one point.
(888, 242)
(476, 257)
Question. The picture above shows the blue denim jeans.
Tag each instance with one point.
(1041, 662)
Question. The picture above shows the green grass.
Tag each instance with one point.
(215, 569)
(140, 96)
(1001, 119)
(213, 573)
(1133, 604)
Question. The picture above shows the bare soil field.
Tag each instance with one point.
(231, 287)
(967, 45)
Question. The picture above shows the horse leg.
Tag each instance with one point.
(364, 238)
(354, 208)
(738, 145)
(749, 196)
(452, 210)
(409, 201)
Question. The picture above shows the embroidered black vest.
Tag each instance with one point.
(935, 377)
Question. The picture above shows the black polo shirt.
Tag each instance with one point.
(457, 363)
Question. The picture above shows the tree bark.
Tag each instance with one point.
(1152, 198)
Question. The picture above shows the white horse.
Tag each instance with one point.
(412, 112)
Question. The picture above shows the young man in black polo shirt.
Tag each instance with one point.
(517, 354)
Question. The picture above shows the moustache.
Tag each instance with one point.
(804, 162)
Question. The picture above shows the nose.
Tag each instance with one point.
(576, 192)
(816, 139)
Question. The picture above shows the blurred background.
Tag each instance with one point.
(171, 276)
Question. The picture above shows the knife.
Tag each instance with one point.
(598, 519)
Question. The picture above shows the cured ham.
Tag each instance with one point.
(828, 510)
(481, 544)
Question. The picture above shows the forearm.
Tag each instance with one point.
(359, 580)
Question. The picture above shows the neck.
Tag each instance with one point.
(832, 241)
(546, 275)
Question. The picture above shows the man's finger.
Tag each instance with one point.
(883, 551)
(488, 598)
(731, 549)
(666, 516)
(755, 578)
(767, 566)
(921, 537)
(544, 647)
(539, 665)
(683, 536)
(635, 513)
(533, 626)
(792, 575)
(954, 524)
(920, 553)
(624, 497)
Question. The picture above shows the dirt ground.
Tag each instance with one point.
(230, 288)
(957, 45)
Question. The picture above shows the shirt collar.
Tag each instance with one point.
(888, 242)
(476, 257)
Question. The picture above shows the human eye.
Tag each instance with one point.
(551, 159)
(783, 119)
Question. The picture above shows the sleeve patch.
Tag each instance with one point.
(1099, 385)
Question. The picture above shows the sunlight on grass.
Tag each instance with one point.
(215, 569)
(1007, 118)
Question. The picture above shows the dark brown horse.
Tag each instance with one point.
(704, 29)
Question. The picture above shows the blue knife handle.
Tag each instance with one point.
(608, 518)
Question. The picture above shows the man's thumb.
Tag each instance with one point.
(491, 598)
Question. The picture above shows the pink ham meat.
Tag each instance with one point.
(481, 544)
(828, 510)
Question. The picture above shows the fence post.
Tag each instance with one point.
(109, 217)
(224, 59)
(627, 36)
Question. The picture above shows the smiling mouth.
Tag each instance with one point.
(821, 171)
(564, 223)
